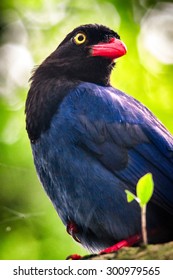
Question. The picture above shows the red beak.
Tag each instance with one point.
(113, 49)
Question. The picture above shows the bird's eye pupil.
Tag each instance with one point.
(81, 37)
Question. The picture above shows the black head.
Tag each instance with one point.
(86, 54)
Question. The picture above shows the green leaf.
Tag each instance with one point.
(130, 196)
(144, 189)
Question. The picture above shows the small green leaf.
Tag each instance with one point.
(144, 189)
(130, 196)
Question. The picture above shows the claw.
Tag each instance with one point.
(72, 229)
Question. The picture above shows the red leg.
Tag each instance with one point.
(74, 257)
(72, 229)
(124, 243)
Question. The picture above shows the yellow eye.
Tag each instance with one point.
(80, 38)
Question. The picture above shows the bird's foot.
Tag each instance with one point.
(72, 229)
(124, 243)
(74, 257)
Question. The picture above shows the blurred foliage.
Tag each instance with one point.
(29, 31)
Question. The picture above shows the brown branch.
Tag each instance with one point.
(151, 252)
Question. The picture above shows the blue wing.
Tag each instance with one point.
(125, 137)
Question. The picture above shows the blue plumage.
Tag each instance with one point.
(96, 143)
(97, 146)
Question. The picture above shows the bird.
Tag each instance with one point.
(90, 142)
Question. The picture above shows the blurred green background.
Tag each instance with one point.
(29, 31)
